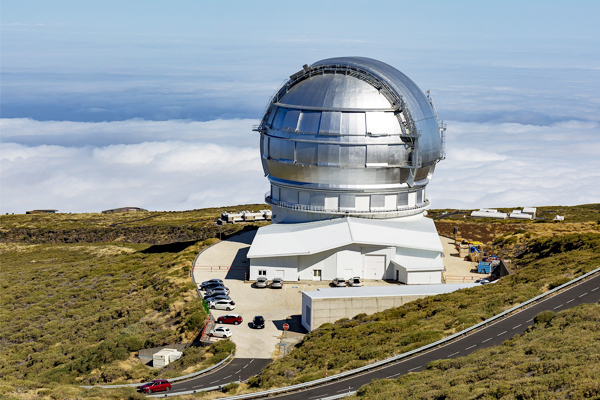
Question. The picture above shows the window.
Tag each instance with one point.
(262, 272)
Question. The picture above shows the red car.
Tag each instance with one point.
(157, 385)
(235, 319)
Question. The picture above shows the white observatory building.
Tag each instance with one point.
(349, 145)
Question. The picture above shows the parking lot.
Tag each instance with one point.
(227, 261)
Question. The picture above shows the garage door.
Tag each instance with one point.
(374, 267)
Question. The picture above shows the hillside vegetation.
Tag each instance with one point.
(557, 358)
(75, 310)
(546, 263)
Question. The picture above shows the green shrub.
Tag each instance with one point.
(544, 317)
(194, 322)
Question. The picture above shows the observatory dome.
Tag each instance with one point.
(349, 136)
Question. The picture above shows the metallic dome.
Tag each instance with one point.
(349, 136)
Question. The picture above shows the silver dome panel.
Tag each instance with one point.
(349, 136)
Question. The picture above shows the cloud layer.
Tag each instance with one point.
(180, 165)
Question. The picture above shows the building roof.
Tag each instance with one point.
(315, 237)
(386, 291)
(419, 264)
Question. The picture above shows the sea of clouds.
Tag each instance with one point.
(181, 165)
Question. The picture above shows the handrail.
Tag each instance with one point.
(320, 209)
(400, 356)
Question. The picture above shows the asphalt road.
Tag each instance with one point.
(239, 368)
(495, 334)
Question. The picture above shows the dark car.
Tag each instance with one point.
(235, 319)
(211, 281)
(258, 322)
(215, 297)
(210, 285)
(157, 385)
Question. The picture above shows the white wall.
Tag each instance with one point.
(288, 264)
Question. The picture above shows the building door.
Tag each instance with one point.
(397, 275)
(348, 273)
(279, 273)
(316, 275)
(374, 266)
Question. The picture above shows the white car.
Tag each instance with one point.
(221, 332)
(222, 305)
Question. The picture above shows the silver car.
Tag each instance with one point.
(261, 282)
(277, 283)
(354, 282)
(339, 282)
(218, 289)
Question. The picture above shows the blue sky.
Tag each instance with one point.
(106, 104)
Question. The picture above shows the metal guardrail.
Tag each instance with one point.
(393, 359)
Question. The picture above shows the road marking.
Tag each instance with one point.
(502, 333)
(237, 372)
(344, 390)
(215, 381)
(199, 386)
(515, 327)
(321, 395)
(412, 369)
(470, 347)
(570, 301)
(487, 340)
(529, 320)
(391, 376)
(583, 294)
(595, 289)
(251, 361)
(229, 376)
(558, 306)
(453, 354)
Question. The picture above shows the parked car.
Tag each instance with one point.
(210, 286)
(339, 282)
(258, 322)
(217, 292)
(216, 297)
(222, 305)
(157, 385)
(354, 282)
(235, 319)
(277, 283)
(221, 332)
(211, 281)
(261, 282)
(217, 289)
(482, 281)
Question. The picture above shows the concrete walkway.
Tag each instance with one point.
(457, 269)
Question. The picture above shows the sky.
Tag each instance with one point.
(151, 103)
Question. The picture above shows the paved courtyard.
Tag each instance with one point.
(227, 260)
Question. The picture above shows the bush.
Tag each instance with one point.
(195, 321)
(544, 317)
(232, 387)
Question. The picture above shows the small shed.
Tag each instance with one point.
(41, 212)
(164, 357)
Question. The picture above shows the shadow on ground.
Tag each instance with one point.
(169, 247)
(294, 321)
